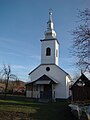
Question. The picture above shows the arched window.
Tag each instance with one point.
(48, 51)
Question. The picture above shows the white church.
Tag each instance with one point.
(48, 80)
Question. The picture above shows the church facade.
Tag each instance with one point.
(48, 80)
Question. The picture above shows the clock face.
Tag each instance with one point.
(47, 68)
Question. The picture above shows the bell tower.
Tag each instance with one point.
(50, 44)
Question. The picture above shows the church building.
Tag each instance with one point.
(48, 80)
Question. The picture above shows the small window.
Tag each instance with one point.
(47, 68)
(48, 51)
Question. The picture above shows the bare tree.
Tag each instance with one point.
(81, 41)
(7, 75)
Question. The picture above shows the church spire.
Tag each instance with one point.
(50, 15)
(50, 33)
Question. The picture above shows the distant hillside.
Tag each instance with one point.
(13, 86)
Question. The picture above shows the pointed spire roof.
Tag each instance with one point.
(50, 15)
(50, 33)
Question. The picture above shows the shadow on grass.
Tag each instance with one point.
(36, 110)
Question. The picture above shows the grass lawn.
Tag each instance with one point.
(19, 108)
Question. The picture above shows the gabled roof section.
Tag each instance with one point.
(62, 70)
(44, 79)
(34, 69)
(49, 64)
(83, 79)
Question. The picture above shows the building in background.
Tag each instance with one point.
(81, 89)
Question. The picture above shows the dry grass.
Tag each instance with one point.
(22, 109)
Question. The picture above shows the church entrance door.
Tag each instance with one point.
(47, 92)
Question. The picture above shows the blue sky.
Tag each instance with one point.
(22, 25)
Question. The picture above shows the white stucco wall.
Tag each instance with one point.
(56, 50)
(53, 45)
(56, 73)
(68, 83)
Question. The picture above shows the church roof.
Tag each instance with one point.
(50, 40)
(82, 79)
(48, 64)
(44, 79)
(34, 69)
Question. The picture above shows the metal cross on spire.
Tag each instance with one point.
(50, 14)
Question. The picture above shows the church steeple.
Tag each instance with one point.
(50, 33)
(50, 44)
